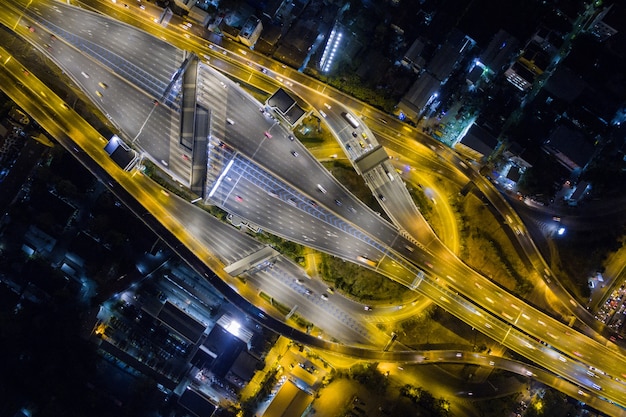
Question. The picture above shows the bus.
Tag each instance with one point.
(366, 261)
(350, 119)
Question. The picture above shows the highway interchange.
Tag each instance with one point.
(264, 149)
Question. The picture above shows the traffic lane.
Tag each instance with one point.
(265, 150)
(83, 41)
(134, 46)
(294, 197)
(546, 329)
(269, 152)
(540, 353)
(282, 218)
(304, 204)
(122, 103)
(280, 283)
(219, 236)
(404, 212)
(334, 197)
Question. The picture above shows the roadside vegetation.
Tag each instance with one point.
(310, 131)
(361, 283)
(435, 326)
(345, 174)
(487, 248)
(368, 390)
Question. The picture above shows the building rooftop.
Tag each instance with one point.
(196, 403)
(569, 147)
(479, 140)
(500, 51)
(181, 322)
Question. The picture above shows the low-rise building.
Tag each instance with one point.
(251, 31)
(570, 148)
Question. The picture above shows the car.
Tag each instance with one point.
(367, 308)
(103, 85)
(291, 138)
(328, 106)
(142, 7)
(324, 297)
(308, 291)
(155, 102)
(268, 135)
(238, 198)
(313, 203)
(298, 282)
(330, 290)
(98, 93)
(294, 153)
(352, 209)
(263, 70)
(361, 144)
(364, 135)
(323, 114)
(45, 45)
(338, 202)
(381, 197)
(354, 134)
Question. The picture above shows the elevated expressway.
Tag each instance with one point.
(168, 215)
(374, 244)
(398, 204)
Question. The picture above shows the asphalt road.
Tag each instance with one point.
(584, 345)
(115, 88)
(163, 215)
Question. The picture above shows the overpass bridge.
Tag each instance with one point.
(439, 293)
